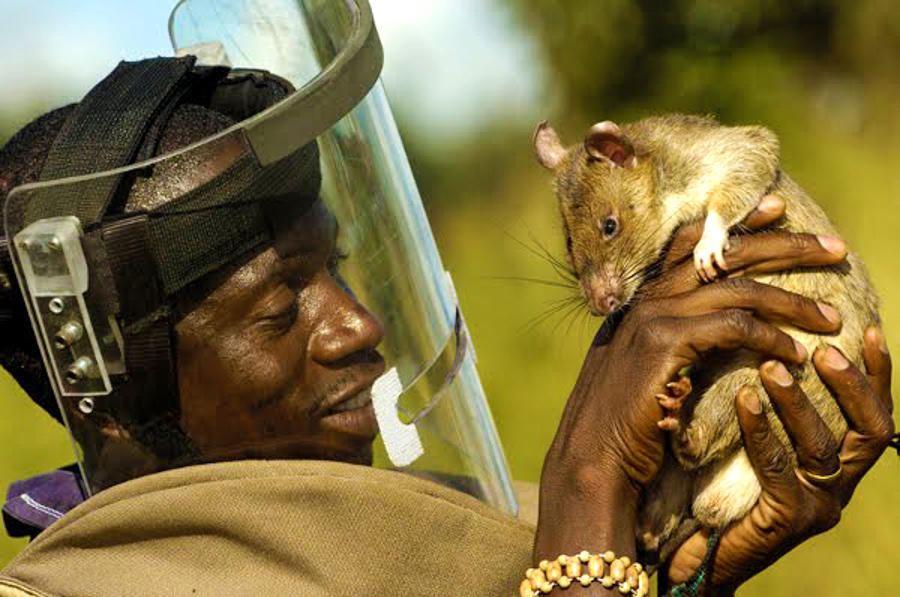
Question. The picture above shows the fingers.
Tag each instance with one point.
(816, 447)
(878, 365)
(768, 302)
(729, 330)
(869, 417)
(770, 208)
(767, 252)
(778, 251)
(766, 454)
(862, 407)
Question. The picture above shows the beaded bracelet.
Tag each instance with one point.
(586, 568)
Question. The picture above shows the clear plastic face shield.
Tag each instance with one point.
(313, 196)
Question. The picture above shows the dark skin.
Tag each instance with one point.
(592, 480)
(266, 359)
(267, 362)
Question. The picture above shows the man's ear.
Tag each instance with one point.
(547, 146)
(606, 141)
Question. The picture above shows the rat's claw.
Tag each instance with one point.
(701, 264)
(720, 260)
(680, 388)
(668, 403)
(669, 424)
(710, 249)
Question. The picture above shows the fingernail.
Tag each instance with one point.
(770, 204)
(835, 360)
(833, 245)
(801, 350)
(751, 401)
(779, 374)
(829, 312)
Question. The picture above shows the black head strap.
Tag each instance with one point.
(105, 132)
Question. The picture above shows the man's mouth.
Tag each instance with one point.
(351, 413)
(358, 400)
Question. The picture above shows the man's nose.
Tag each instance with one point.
(345, 328)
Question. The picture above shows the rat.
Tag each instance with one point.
(622, 194)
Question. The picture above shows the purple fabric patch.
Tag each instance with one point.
(34, 504)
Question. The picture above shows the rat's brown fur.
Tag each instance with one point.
(683, 167)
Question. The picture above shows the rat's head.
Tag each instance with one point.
(605, 192)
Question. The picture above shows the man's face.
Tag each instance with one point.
(278, 361)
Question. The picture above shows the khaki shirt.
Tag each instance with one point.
(275, 528)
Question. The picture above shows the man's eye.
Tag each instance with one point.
(284, 321)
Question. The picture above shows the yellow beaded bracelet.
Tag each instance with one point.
(586, 568)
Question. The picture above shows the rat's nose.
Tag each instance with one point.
(610, 304)
(600, 293)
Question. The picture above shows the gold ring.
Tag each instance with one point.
(812, 477)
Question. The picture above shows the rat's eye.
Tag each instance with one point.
(610, 227)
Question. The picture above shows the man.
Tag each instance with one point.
(271, 356)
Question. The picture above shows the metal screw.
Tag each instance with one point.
(78, 370)
(5, 284)
(57, 305)
(68, 334)
(86, 405)
(54, 243)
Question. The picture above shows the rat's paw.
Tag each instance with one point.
(709, 252)
(672, 402)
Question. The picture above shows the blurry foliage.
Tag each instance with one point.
(823, 74)
(604, 54)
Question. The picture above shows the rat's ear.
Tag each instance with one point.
(547, 146)
(606, 141)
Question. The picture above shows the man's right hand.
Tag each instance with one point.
(608, 446)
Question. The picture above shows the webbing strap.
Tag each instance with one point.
(216, 223)
(105, 132)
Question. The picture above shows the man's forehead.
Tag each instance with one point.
(310, 235)
(313, 231)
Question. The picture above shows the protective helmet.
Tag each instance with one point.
(301, 80)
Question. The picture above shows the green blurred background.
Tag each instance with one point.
(469, 79)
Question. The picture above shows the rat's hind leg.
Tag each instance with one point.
(672, 402)
(708, 427)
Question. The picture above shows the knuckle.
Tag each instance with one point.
(740, 286)
(772, 459)
(855, 384)
(738, 320)
(737, 244)
(883, 432)
(798, 303)
(825, 461)
(652, 335)
(777, 462)
(799, 243)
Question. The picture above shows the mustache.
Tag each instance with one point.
(351, 370)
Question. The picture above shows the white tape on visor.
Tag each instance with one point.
(419, 397)
(401, 441)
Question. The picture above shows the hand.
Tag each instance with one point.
(608, 445)
(794, 505)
